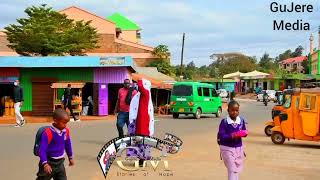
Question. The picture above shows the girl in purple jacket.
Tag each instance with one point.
(231, 131)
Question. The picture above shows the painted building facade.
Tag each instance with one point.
(126, 29)
(127, 44)
(103, 76)
(294, 64)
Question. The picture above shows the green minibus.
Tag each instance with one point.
(195, 98)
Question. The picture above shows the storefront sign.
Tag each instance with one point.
(112, 61)
(103, 86)
(8, 79)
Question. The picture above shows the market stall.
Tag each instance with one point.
(76, 98)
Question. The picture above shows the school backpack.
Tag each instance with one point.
(41, 130)
(226, 123)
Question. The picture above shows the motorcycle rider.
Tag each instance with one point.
(265, 97)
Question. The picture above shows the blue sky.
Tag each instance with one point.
(211, 26)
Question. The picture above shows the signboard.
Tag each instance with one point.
(107, 61)
(8, 79)
(66, 61)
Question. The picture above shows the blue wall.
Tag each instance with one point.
(229, 86)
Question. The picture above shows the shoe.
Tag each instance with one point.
(77, 120)
(17, 125)
(23, 123)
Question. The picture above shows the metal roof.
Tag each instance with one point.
(123, 22)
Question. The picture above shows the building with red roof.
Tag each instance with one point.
(294, 64)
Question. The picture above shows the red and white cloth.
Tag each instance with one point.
(141, 118)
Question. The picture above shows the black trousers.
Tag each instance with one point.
(69, 106)
(58, 170)
(122, 119)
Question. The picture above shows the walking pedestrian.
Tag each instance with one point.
(54, 141)
(67, 101)
(125, 95)
(18, 102)
(231, 131)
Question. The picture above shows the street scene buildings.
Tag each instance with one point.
(237, 101)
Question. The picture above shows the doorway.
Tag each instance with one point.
(113, 96)
(6, 94)
(87, 99)
(265, 85)
(42, 99)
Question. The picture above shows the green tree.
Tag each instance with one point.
(47, 32)
(162, 52)
(191, 70)
(285, 55)
(282, 73)
(203, 71)
(306, 67)
(266, 63)
(297, 52)
(232, 62)
(163, 67)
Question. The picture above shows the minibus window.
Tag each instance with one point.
(199, 91)
(214, 93)
(206, 92)
(182, 90)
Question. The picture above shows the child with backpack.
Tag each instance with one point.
(231, 131)
(51, 143)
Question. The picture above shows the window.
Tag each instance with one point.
(287, 101)
(199, 91)
(297, 102)
(182, 90)
(138, 35)
(214, 93)
(206, 92)
(309, 102)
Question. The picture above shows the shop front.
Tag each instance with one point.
(7, 78)
(95, 73)
(107, 83)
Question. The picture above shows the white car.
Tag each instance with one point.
(222, 93)
(271, 95)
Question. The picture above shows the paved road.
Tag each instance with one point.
(199, 159)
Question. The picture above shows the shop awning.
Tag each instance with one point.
(157, 79)
(65, 85)
(254, 75)
(233, 75)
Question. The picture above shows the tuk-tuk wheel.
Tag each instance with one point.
(277, 138)
(175, 115)
(267, 130)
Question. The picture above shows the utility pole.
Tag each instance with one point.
(182, 49)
